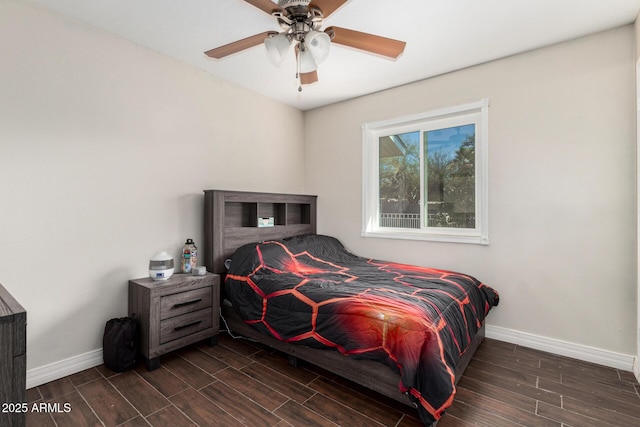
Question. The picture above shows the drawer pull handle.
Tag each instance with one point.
(177, 328)
(183, 304)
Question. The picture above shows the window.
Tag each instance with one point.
(425, 176)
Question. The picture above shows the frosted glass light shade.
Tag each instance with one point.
(277, 47)
(317, 43)
(306, 62)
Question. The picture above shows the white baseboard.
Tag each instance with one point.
(563, 348)
(56, 370)
(636, 367)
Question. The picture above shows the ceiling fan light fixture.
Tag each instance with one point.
(302, 21)
(277, 47)
(318, 43)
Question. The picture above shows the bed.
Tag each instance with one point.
(404, 331)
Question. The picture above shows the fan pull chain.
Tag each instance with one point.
(298, 71)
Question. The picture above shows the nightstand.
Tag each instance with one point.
(174, 313)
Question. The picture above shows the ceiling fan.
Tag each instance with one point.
(302, 21)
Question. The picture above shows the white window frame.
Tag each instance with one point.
(476, 113)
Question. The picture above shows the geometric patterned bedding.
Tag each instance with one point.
(310, 290)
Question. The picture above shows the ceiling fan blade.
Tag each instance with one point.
(327, 6)
(308, 78)
(237, 46)
(368, 42)
(266, 5)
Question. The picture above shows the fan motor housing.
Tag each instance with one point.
(287, 3)
(297, 18)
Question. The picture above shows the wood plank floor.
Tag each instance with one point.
(237, 383)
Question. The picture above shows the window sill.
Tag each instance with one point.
(431, 237)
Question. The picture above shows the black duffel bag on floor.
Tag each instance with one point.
(120, 344)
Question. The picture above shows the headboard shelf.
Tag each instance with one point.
(235, 218)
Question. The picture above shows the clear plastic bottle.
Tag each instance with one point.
(189, 256)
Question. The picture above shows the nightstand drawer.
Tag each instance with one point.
(186, 324)
(185, 302)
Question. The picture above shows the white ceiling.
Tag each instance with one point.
(441, 36)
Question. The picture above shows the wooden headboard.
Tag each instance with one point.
(235, 218)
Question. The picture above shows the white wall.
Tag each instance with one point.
(105, 148)
(561, 181)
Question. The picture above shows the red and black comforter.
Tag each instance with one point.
(310, 290)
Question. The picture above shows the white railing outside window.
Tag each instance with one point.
(400, 220)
